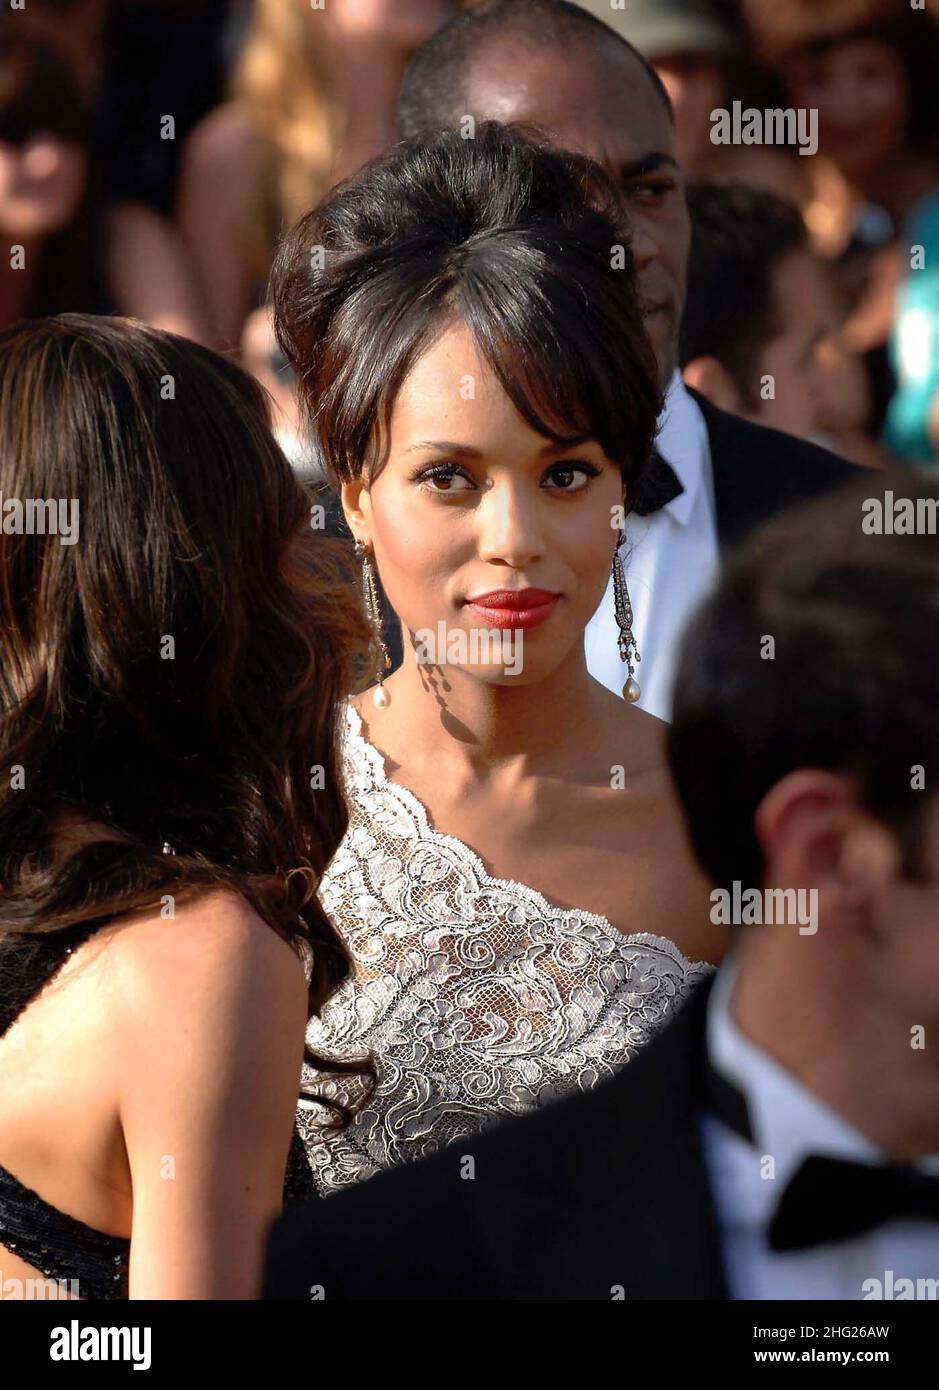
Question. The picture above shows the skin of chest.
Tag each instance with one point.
(613, 851)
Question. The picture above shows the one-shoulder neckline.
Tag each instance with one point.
(375, 762)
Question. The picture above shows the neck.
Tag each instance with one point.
(830, 1023)
(446, 715)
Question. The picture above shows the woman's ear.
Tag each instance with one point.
(357, 509)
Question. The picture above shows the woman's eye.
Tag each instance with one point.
(445, 477)
(571, 477)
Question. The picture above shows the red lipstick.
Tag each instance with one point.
(514, 608)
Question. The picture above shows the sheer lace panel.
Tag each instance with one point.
(477, 998)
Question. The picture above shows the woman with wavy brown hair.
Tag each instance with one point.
(175, 645)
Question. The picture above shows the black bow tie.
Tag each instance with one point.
(657, 487)
(829, 1199)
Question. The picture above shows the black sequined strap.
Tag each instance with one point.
(61, 1246)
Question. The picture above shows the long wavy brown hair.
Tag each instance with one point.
(175, 676)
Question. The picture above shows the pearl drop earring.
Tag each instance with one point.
(380, 697)
(624, 621)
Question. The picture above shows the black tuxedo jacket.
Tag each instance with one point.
(758, 472)
(597, 1197)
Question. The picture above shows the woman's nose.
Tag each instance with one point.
(510, 527)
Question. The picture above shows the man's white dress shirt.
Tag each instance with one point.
(788, 1124)
(670, 560)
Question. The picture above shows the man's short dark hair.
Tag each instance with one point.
(432, 95)
(818, 650)
(739, 237)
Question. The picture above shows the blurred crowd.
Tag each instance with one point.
(152, 151)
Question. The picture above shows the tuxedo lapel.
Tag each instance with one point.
(613, 1200)
(739, 486)
(758, 471)
(667, 1225)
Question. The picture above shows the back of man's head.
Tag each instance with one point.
(818, 651)
(432, 95)
(739, 237)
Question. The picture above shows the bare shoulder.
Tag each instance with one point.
(213, 951)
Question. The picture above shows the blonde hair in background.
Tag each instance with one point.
(282, 79)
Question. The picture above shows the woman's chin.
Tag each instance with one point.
(496, 656)
(532, 671)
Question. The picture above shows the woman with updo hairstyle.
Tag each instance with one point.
(177, 646)
(515, 887)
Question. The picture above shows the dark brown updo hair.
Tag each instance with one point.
(177, 674)
(525, 244)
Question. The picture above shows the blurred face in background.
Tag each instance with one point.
(42, 183)
(861, 90)
(788, 378)
(696, 86)
(793, 358)
(599, 101)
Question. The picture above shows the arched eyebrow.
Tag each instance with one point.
(449, 446)
(444, 446)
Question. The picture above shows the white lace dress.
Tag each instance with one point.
(476, 998)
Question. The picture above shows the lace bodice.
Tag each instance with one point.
(477, 998)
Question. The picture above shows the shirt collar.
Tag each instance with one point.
(682, 441)
(787, 1120)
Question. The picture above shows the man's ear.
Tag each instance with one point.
(711, 379)
(357, 509)
(814, 833)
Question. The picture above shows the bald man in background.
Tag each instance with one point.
(554, 65)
